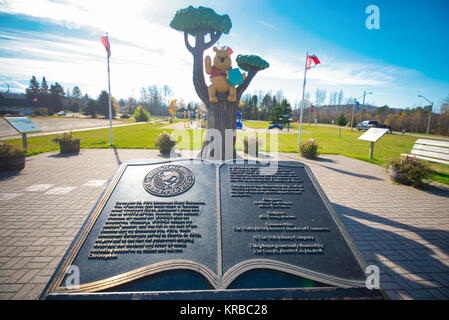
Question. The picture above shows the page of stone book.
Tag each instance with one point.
(139, 227)
(280, 217)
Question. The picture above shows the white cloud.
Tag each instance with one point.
(145, 52)
(268, 25)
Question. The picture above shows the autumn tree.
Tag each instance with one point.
(206, 28)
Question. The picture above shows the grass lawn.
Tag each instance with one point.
(388, 147)
(128, 137)
(144, 135)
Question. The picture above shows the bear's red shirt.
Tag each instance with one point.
(216, 72)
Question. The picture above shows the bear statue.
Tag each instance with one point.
(218, 72)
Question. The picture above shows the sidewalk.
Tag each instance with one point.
(402, 230)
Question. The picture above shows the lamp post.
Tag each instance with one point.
(352, 116)
(430, 113)
(363, 107)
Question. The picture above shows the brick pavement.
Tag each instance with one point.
(402, 230)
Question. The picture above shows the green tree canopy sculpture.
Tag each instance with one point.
(246, 62)
(191, 20)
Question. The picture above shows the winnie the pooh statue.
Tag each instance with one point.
(218, 72)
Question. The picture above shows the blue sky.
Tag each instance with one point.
(60, 40)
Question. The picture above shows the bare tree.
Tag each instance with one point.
(333, 98)
(340, 97)
(320, 96)
(168, 92)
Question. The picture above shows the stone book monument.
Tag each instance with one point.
(192, 229)
(212, 227)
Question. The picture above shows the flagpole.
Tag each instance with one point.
(302, 104)
(109, 90)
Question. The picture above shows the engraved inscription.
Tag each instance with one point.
(282, 182)
(147, 227)
(275, 203)
(245, 191)
(280, 232)
(252, 174)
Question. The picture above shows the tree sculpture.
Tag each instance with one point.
(200, 23)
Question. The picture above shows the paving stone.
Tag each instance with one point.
(421, 294)
(393, 295)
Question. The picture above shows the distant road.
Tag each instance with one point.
(417, 135)
(70, 130)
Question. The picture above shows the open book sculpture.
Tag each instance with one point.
(196, 225)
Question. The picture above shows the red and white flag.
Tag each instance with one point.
(312, 59)
(105, 41)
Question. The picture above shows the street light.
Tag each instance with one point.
(353, 109)
(430, 113)
(363, 107)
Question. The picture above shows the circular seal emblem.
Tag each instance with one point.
(168, 180)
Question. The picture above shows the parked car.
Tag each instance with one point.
(61, 113)
(367, 124)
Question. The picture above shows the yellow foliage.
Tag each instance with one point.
(172, 107)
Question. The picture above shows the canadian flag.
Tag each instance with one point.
(105, 41)
(312, 58)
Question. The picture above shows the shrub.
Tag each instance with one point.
(40, 111)
(67, 143)
(309, 149)
(250, 141)
(341, 120)
(164, 143)
(409, 171)
(11, 157)
(141, 115)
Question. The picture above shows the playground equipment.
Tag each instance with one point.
(239, 121)
(281, 126)
(204, 121)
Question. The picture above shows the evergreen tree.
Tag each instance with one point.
(103, 104)
(266, 105)
(341, 120)
(76, 99)
(33, 90)
(56, 99)
(91, 108)
(278, 111)
(76, 92)
(44, 92)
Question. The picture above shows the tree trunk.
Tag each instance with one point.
(219, 141)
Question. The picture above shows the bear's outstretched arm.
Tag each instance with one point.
(208, 65)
